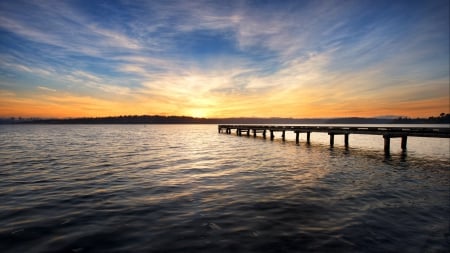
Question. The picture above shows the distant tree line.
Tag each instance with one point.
(157, 119)
(126, 119)
(443, 118)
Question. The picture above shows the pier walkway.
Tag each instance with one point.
(386, 132)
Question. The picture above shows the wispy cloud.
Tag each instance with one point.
(58, 24)
(46, 88)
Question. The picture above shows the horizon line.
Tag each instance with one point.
(219, 118)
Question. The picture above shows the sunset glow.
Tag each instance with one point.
(224, 58)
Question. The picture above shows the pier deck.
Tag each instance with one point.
(386, 132)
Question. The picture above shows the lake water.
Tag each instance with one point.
(186, 188)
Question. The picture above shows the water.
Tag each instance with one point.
(186, 188)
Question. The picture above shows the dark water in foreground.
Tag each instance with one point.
(165, 188)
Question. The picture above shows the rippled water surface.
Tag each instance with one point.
(186, 188)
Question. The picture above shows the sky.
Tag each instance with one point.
(301, 59)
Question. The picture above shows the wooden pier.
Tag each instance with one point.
(386, 132)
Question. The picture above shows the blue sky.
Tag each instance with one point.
(224, 58)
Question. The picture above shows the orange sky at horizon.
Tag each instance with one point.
(67, 106)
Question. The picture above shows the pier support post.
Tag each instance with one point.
(238, 132)
(264, 133)
(404, 140)
(297, 137)
(283, 136)
(346, 140)
(308, 135)
(271, 135)
(387, 143)
(248, 132)
(254, 133)
(331, 139)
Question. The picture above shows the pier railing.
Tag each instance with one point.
(386, 132)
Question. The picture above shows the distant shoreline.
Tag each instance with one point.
(156, 119)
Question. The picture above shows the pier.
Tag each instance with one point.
(386, 132)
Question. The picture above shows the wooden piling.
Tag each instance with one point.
(272, 136)
(346, 140)
(297, 137)
(308, 134)
(283, 136)
(404, 140)
(387, 143)
(331, 139)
